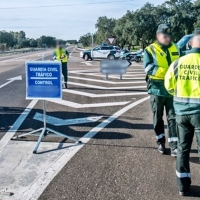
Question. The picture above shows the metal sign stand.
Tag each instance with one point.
(45, 130)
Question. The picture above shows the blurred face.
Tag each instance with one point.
(195, 42)
(163, 39)
(59, 46)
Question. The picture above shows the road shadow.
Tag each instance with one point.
(193, 151)
(121, 146)
(194, 191)
(195, 160)
(8, 117)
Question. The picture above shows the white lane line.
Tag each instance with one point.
(104, 81)
(70, 55)
(125, 78)
(105, 88)
(132, 75)
(141, 75)
(37, 188)
(65, 122)
(126, 73)
(97, 70)
(6, 138)
(92, 105)
(84, 70)
(87, 94)
(87, 63)
(113, 76)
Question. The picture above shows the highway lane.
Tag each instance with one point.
(10, 62)
(12, 99)
(118, 159)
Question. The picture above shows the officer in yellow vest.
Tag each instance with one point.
(61, 54)
(183, 82)
(157, 59)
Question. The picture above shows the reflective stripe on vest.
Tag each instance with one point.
(59, 53)
(161, 64)
(187, 75)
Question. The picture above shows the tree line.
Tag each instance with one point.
(139, 27)
(19, 40)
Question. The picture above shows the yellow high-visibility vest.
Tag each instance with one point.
(59, 53)
(160, 59)
(183, 79)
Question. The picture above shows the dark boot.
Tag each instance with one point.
(161, 148)
(174, 153)
(184, 192)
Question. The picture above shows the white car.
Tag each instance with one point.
(101, 52)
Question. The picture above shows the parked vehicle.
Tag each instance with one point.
(131, 56)
(184, 43)
(101, 52)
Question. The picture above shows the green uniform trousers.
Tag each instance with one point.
(65, 71)
(158, 104)
(187, 126)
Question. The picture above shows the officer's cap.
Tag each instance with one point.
(197, 31)
(165, 29)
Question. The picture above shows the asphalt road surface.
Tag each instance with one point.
(118, 159)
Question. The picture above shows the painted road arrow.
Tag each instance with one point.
(10, 80)
(64, 122)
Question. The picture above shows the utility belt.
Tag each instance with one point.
(156, 82)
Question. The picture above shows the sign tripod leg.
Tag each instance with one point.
(45, 131)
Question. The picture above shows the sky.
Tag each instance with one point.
(69, 22)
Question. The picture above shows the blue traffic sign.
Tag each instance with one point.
(43, 80)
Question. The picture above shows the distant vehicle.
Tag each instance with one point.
(131, 56)
(117, 48)
(184, 43)
(101, 52)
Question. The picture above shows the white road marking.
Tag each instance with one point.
(125, 78)
(87, 94)
(141, 75)
(97, 70)
(65, 122)
(10, 80)
(104, 81)
(129, 72)
(70, 55)
(132, 75)
(84, 70)
(105, 88)
(92, 105)
(11, 132)
(34, 190)
(87, 63)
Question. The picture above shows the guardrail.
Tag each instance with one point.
(21, 50)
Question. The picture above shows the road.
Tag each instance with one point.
(118, 159)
